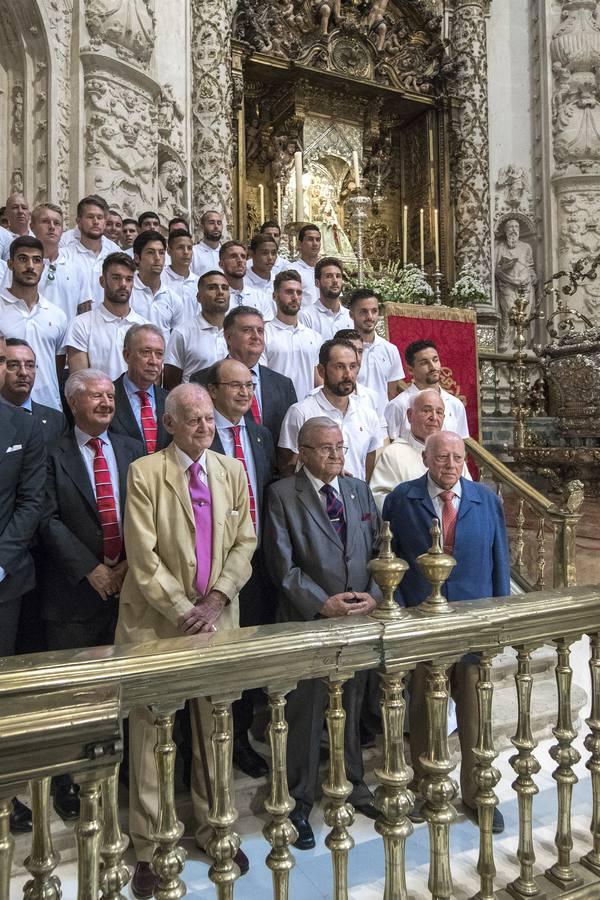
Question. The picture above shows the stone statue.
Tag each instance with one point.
(170, 189)
(324, 9)
(514, 271)
(376, 23)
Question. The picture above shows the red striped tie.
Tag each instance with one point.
(449, 516)
(238, 452)
(254, 407)
(105, 501)
(149, 426)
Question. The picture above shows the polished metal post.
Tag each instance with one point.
(436, 566)
(42, 860)
(392, 797)
(387, 571)
(114, 874)
(437, 788)
(486, 777)
(518, 564)
(360, 206)
(525, 765)
(168, 859)
(224, 843)
(88, 832)
(338, 813)
(592, 744)
(280, 831)
(7, 847)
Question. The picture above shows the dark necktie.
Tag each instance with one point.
(335, 511)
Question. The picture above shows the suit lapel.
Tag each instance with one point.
(308, 498)
(352, 512)
(75, 469)
(123, 459)
(175, 478)
(125, 412)
(258, 455)
(420, 494)
(217, 444)
(8, 430)
(159, 397)
(468, 499)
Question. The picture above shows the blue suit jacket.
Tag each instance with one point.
(480, 546)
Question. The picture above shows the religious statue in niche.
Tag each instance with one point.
(171, 199)
(514, 271)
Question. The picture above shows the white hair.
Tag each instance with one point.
(314, 424)
(414, 397)
(434, 438)
(182, 393)
(78, 381)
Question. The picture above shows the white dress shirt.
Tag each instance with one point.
(194, 345)
(381, 364)
(260, 294)
(224, 427)
(204, 258)
(88, 455)
(292, 350)
(90, 264)
(186, 286)
(359, 425)
(455, 414)
(310, 292)
(324, 321)
(101, 334)
(44, 328)
(164, 308)
(435, 490)
(186, 461)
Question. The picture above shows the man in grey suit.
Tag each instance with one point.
(321, 530)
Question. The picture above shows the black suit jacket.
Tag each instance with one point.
(125, 422)
(70, 532)
(22, 479)
(277, 395)
(54, 423)
(263, 453)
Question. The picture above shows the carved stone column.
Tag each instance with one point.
(212, 109)
(470, 175)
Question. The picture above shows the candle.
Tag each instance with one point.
(355, 168)
(436, 238)
(422, 236)
(279, 204)
(299, 194)
(404, 235)
(261, 202)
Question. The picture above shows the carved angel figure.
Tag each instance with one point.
(376, 23)
(324, 10)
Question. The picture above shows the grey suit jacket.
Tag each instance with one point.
(308, 562)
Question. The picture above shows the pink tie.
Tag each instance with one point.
(202, 508)
(449, 514)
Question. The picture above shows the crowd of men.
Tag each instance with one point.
(168, 409)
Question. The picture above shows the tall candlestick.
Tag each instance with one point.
(422, 236)
(404, 235)
(261, 202)
(279, 204)
(355, 168)
(436, 238)
(299, 192)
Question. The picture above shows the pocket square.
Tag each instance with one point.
(366, 517)
(14, 447)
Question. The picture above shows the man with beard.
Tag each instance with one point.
(337, 400)
(18, 216)
(425, 367)
(26, 314)
(95, 339)
(381, 368)
(232, 260)
(258, 281)
(88, 251)
(149, 297)
(205, 257)
(327, 315)
(61, 283)
(292, 348)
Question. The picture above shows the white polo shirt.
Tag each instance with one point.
(64, 284)
(260, 294)
(5, 275)
(165, 308)
(186, 286)
(281, 263)
(292, 350)
(74, 234)
(359, 425)
(90, 265)
(381, 363)
(6, 239)
(455, 414)
(194, 345)
(44, 328)
(310, 292)
(204, 258)
(324, 321)
(100, 334)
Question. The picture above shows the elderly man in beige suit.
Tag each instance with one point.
(189, 539)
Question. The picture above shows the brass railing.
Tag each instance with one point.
(63, 712)
(497, 380)
(534, 522)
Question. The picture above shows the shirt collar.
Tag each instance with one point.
(222, 422)
(435, 490)
(186, 461)
(131, 388)
(415, 443)
(110, 317)
(204, 325)
(82, 438)
(284, 325)
(140, 286)
(8, 295)
(26, 405)
(253, 278)
(318, 484)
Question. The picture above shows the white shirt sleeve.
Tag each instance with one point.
(177, 313)
(78, 333)
(291, 425)
(397, 369)
(61, 342)
(462, 426)
(394, 416)
(376, 432)
(175, 352)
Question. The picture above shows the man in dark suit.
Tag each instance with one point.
(231, 389)
(244, 331)
(18, 385)
(22, 479)
(474, 532)
(81, 532)
(139, 402)
(321, 531)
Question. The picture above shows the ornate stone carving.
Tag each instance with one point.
(171, 194)
(513, 194)
(170, 119)
(129, 26)
(579, 212)
(17, 112)
(514, 271)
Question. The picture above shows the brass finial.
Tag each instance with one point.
(388, 571)
(436, 566)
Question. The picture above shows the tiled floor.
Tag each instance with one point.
(311, 877)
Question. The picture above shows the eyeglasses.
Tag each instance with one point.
(237, 385)
(327, 449)
(14, 365)
(51, 272)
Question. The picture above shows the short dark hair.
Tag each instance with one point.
(285, 275)
(130, 222)
(18, 342)
(363, 294)
(212, 376)
(327, 261)
(118, 259)
(91, 200)
(234, 314)
(414, 348)
(206, 213)
(225, 247)
(145, 237)
(177, 233)
(305, 228)
(172, 221)
(147, 215)
(210, 272)
(114, 212)
(26, 240)
(260, 239)
(269, 224)
(347, 334)
(327, 347)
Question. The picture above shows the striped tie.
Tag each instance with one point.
(335, 511)
(449, 515)
(238, 452)
(149, 426)
(254, 407)
(105, 501)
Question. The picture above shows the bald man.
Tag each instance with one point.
(474, 532)
(186, 506)
(19, 216)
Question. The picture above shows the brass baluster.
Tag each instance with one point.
(565, 756)
(540, 559)
(520, 537)
(7, 847)
(88, 832)
(114, 874)
(42, 860)
(387, 570)
(279, 832)
(168, 858)
(224, 843)
(392, 797)
(486, 777)
(436, 566)
(437, 788)
(338, 813)
(592, 743)
(525, 765)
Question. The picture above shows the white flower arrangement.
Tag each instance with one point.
(468, 288)
(394, 283)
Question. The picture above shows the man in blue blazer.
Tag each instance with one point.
(474, 532)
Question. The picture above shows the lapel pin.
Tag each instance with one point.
(352, 497)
